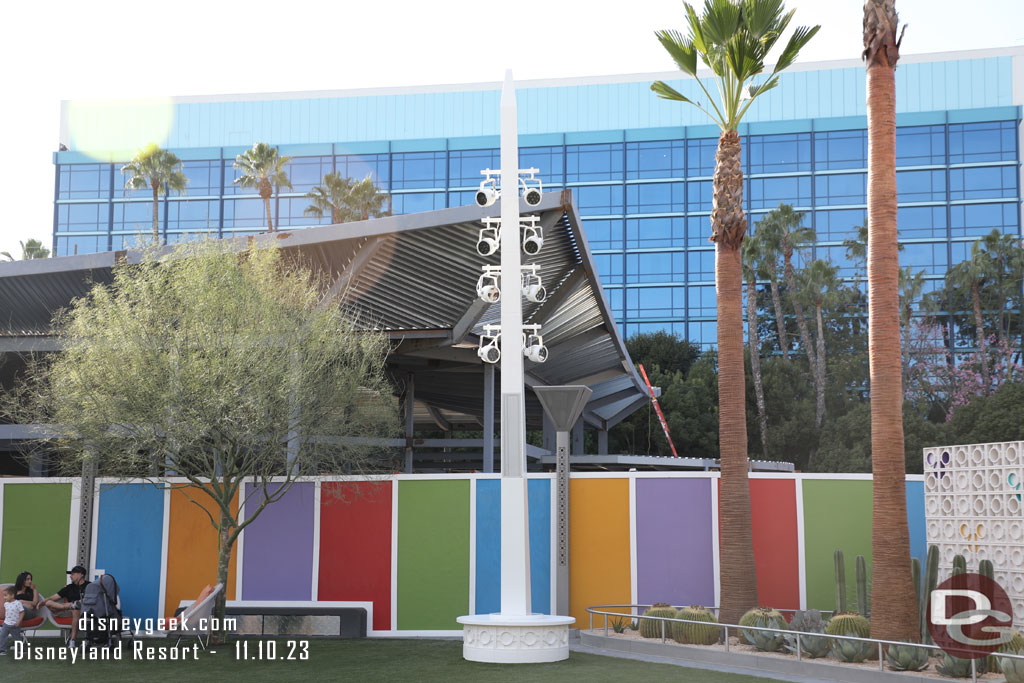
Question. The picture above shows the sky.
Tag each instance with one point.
(60, 50)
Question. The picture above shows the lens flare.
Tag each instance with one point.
(103, 129)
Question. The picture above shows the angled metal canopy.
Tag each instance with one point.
(414, 277)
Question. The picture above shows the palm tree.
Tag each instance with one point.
(970, 276)
(911, 288)
(733, 39)
(330, 198)
(752, 257)
(894, 603)
(263, 169)
(159, 170)
(771, 250)
(820, 281)
(792, 237)
(31, 249)
(365, 201)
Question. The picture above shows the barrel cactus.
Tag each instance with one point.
(695, 634)
(907, 657)
(651, 628)
(808, 621)
(1015, 646)
(1013, 669)
(849, 624)
(764, 617)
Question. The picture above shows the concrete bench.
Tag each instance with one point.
(339, 618)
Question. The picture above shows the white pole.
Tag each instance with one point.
(515, 540)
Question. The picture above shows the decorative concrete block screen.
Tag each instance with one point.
(973, 508)
(425, 549)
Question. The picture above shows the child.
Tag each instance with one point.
(14, 612)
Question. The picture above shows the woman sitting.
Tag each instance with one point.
(25, 591)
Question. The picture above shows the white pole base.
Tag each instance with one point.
(515, 639)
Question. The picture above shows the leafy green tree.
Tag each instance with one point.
(971, 276)
(993, 418)
(263, 170)
(217, 369)
(669, 351)
(346, 200)
(32, 249)
(158, 170)
(732, 38)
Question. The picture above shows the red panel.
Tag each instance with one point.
(355, 545)
(776, 550)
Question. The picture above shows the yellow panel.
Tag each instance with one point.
(192, 548)
(598, 546)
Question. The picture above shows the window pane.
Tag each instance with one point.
(698, 230)
(462, 198)
(548, 160)
(84, 181)
(464, 166)
(418, 169)
(137, 217)
(192, 215)
(979, 219)
(603, 234)
(920, 146)
(836, 255)
(921, 221)
(656, 302)
(67, 246)
(358, 166)
(644, 233)
(82, 217)
(599, 200)
(768, 193)
(702, 301)
(975, 142)
(663, 159)
(841, 189)
(245, 213)
(700, 156)
(655, 267)
(780, 153)
(921, 186)
(838, 225)
(701, 265)
(928, 256)
(291, 213)
(307, 172)
(698, 195)
(840, 149)
(983, 183)
(705, 334)
(615, 301)
(593, 162)
(203, 177)
(416, 202)
(609, 267)
(656, 198)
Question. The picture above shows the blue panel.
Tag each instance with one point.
(540, 140)
(427, 145)
(985, 114)
(778, 127)
(488, 545)
(646, 134)
(129, 544)
(477, 142)
(198, 153)
(307, 150)
(592, 137)
(915, 520)
(841, 123)
(361, 148)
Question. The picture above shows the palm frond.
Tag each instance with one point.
(800, 37)
(721, 20)
(682, 51)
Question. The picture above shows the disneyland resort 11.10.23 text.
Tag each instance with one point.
(137, 650)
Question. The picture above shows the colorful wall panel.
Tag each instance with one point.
(192, 549)
(433, 553)
(129, 544)
(837, 515)
(773, 525)
(916, 520)
(36, 531)
(355, 545)
(277, 556)
(674, 551)
(488, 545)
(599, 545)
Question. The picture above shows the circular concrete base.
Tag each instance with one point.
(512, 639)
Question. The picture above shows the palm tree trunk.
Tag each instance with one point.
(979, 334)
(156, 213)
(894, 603)
(728, 226)
(801, 322)
(270, 217)
(754, 347)
(780, 320)
(819, 406)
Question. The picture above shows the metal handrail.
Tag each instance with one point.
(601, 609)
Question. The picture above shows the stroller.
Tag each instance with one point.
(100, 605)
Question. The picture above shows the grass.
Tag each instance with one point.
(351, 660)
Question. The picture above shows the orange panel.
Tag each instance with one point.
(192, 548)
(598, 546)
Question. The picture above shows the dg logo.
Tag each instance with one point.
(970, 616)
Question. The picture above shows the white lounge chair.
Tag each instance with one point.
(195, 617)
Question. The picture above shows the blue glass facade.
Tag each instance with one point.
(644, 193)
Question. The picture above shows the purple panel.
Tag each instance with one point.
(277, 558)
(673, 542)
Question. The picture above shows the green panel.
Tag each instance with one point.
(36, 522)
(433, 554)
(837, 516)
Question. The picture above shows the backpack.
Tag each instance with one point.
(100, 602)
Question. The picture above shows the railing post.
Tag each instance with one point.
(663, 632)
(974, 671)
(591, 621)
(606, 623)
(881, 659)
(726, 638)
(799, 652)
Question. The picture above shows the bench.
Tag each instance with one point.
(354, 618)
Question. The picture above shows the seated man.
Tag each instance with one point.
(67, 602)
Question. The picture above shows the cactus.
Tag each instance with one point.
(1013, 669)
(849, 624)
(840, 581)
(985, 568)
(954, 667)
(959, 565)
(907, 657)
(928, 583)
(1015, 646)
(808, 621)
(651, 628)
(915, 572)
(764, 617)
(862, 587)
(695, 634)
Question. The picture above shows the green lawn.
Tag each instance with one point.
(353, 660)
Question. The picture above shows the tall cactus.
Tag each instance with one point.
(840, 581)
(928, 583)
(985, 568)
(862, 586)
(915, 571)
(959, 565)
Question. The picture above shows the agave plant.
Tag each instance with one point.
(846, 650)
(808, 621)
(1013, 669)
(954, 667)
(907, 657)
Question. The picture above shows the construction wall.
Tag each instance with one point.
(425, 549)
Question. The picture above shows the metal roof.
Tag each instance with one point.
(413, 276)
